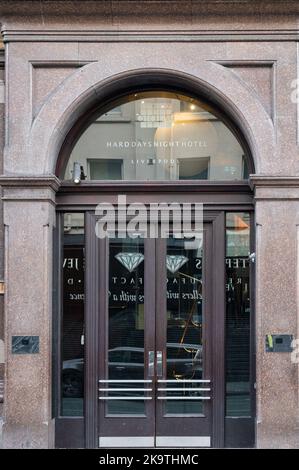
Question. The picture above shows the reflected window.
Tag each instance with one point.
(72, 366)
(159, 136)
(104, 168)
(193, 168)
(238, 401)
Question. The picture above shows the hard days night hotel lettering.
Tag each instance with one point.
(124, 144)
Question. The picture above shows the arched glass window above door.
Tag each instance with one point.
(158, 136)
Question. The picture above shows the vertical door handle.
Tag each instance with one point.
(151, 363)
(159, 364)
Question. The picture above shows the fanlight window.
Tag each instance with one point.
(156, 136)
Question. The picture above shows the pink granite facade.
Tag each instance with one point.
(58, 56)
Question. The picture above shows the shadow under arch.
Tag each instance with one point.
(105, 93)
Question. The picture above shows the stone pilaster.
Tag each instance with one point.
(29, 217)
(277, 269)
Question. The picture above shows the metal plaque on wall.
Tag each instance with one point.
(25, 344)
(279, 343)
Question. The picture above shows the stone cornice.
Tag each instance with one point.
(148, 20)
(190, 35)
(274, 181)
(44, 181)
(53, 182)
(275, 188)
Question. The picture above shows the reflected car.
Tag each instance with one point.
(73, 378)
(126, 363)
(184, 361)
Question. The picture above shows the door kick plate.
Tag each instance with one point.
(183, 441)
(159, 441)
(127, 441)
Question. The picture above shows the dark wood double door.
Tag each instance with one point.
(155, 373)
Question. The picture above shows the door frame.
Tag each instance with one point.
(155, 425)
(95, 282)
(217, 198)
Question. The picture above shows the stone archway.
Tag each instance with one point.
(89, 84)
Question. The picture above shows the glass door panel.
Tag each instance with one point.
(126, 327)
(184, 328)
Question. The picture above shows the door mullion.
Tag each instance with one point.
(102, 313)
(150, 324)
(161, 319)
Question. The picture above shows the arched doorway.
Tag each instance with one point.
(156, 337)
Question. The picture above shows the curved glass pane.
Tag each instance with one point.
(160, 136)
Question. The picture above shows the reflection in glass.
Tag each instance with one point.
(72, 374)
(126, 323)
(237, 314)
(111, 168)
(184, 325)
(159, 135)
